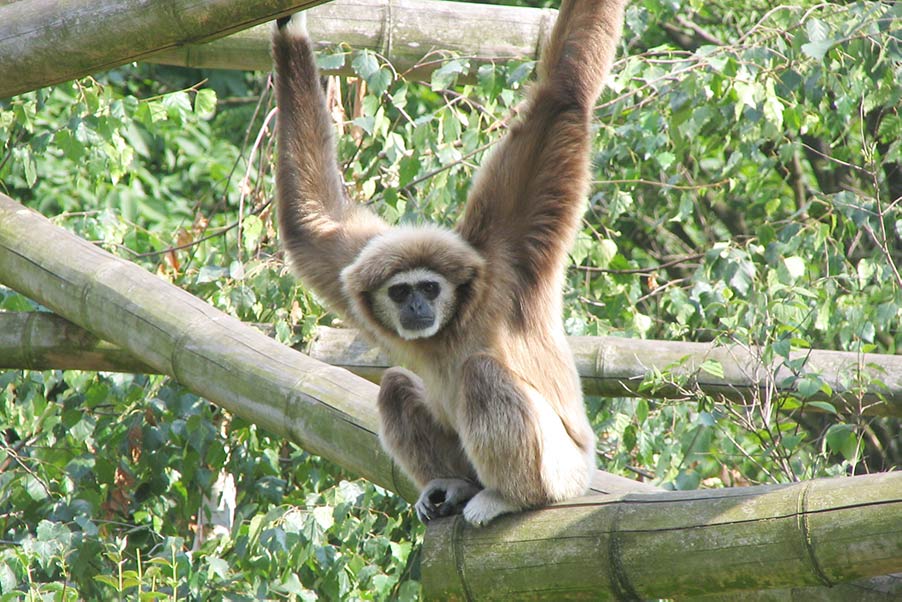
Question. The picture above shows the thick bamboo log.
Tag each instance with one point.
(677, 544)
(413, 35)
(326, 410)
(616, 367)
(44, 42)
(609, 366)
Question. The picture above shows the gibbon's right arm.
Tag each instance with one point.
(528, 197)
(322, 231)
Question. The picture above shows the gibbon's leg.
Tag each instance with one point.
(429, 453)
(516, 442)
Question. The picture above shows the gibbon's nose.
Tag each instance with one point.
(417, 313)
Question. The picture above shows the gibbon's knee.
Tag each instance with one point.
(515, 439)
(423, 448)
(499, 433)
(399, 390)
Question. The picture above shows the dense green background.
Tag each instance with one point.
(747, 189)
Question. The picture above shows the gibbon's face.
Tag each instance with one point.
(415, 303)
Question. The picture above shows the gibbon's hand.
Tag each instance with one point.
(444, 497)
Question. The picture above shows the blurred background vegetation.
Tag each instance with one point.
(747, 184)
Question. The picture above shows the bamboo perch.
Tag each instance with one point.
(44, 42)
(616, 367)
(413, 35)
(608, 366)
(677, 544)
(326, 410)
(45, 341)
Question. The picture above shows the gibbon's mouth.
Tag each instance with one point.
(415, 324)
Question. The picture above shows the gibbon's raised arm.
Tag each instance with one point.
(321, 229)
(527, 199)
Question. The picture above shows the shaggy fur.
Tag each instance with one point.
(489, 417)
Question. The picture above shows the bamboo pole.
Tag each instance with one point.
(326, 410)
(608, 366)
(679, 545)
(44, 42)
(413, 35)
(616, 367)
(45, 341)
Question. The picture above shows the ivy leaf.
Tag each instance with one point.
(365, 64)
(330, 62)
(445, 76)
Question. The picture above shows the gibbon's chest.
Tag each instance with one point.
(443, 394)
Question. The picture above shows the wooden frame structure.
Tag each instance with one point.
(628, 541)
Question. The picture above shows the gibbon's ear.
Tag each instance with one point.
(405, 248)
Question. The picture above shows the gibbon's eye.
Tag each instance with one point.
(429, 289)
(399, 292)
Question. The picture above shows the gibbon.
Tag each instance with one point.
(488, 417)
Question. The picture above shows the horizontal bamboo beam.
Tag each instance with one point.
(608, 366)
(45, 42)
(616, 367)
(45, 341)
(680, 545)
(326, 410)
(413, 35)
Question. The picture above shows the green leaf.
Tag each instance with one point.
(817, 50)
(324, 517)
(795, 267)
(365, 64)
(330, 62)
(809, 386)
(445, 76)
(31, 168)
(665, 160)
(841, 439)
(205, 103)
(211, 273)
(642, 411)
(823, 405)
(712, 367)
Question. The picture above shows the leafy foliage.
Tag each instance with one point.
(747, 191)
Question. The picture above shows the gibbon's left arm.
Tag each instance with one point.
(321, 229)
(526, 202)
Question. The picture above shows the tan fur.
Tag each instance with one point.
(494, 395)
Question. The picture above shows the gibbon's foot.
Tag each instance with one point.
(485, 506)
(444, 497)
(296, 24)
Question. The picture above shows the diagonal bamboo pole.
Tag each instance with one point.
(325, 410)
